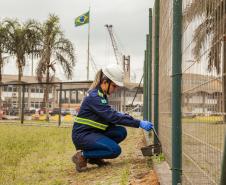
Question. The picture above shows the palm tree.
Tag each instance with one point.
(211, 13)
(2, 58)
(21, 40)
(56, 49)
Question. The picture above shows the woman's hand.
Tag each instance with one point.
(146, 125)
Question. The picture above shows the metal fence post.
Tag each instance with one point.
(145, 87)
(176, 92)
(147, 76)
(147, 83)
(60, 103)
(224, 78)
(156, 69)
(150, 67)
(223, 170)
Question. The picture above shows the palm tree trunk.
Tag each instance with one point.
(47, 94)
(20, 73)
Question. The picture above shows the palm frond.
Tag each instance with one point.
(193, 10)
(67, 66)
(214, 54)
(201, 34)
(210, 13)
(65, 47)
(55, 48)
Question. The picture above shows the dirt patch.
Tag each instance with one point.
(131, 168)
(149, 178)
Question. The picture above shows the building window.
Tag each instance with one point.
(33, 89)
(14, 89)
(10, 89)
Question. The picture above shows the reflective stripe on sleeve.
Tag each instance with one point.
(90, 123)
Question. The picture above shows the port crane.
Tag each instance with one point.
(117, 53)
(121, 59)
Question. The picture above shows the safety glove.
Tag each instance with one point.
(146, 125)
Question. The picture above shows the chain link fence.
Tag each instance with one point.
(203, 87)
(202, 90)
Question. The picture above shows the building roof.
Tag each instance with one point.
(13, 79)
(26, 79)
(193, 83)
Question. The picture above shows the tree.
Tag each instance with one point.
(55, 50)
(21, 39)
(211, 13)
(3, 38)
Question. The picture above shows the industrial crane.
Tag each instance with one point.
(118, 54)
(121, 59)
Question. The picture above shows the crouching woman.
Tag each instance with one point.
(98, 128)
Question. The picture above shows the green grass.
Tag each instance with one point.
(34, 155)
(158, 158)
(203, 119)
(125, 176)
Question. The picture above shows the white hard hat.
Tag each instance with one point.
(115, 73)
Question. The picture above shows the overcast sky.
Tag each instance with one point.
(129, 20)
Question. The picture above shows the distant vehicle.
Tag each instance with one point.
(33, 111)
(12, 111)
(29, 112)
(54, 111)
(64, 112)
(73, 112)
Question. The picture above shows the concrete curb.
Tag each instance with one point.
(163, 172)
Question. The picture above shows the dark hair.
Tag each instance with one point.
(99, 78)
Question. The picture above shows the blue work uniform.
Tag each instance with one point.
(95, 129)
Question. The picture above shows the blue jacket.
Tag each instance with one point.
(95, 109)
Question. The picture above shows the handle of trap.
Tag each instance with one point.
(156, 135)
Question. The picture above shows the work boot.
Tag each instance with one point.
(98, 162)
(80, 162)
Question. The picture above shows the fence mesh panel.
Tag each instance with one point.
(203, 87)
(202, 108)
(165, 70)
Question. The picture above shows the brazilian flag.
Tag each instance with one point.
(82, 19)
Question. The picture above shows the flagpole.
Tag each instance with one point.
(88, 46)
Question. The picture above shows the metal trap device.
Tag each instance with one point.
(154, 149)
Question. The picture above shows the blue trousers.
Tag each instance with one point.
(106, 147)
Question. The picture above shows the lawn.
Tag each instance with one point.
(34, 155)
(42, 156)
(203, 119)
